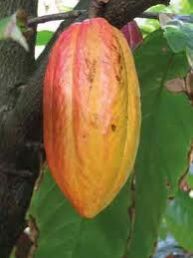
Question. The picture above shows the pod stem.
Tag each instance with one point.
(96, 8)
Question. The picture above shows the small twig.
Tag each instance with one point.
(54, 17)
(151, 15)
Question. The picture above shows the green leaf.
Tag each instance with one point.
(150, 25)
(160, 8)
(43, 37)
(65, 234)
(10, 30)
(179, 221)
(175, 7)
(185, 6)
(189, 55)
(166, 135)
(179, 35)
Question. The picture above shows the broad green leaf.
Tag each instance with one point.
(166, 135)
(43, 37)
(179, 35)
(63, 233)
(10, 30)
(179, 219)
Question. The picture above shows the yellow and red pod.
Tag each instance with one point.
(91, 107)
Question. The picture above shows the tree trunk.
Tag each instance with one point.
(15, 191)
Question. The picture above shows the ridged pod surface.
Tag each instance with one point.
(91, 114)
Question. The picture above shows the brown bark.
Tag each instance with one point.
(16, 65)
(21, 81)
(120, 12)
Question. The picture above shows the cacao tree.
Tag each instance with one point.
(36, 220)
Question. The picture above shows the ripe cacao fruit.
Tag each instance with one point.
(133, 34)
(91, 114)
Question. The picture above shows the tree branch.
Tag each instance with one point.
(16, 65)
(149, 15)
(152, 15)
(76, 13)
(54, 17)
(118, 13)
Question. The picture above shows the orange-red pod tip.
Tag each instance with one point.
(92, 116)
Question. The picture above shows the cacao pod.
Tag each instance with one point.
(91, 114)
(133, 34)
